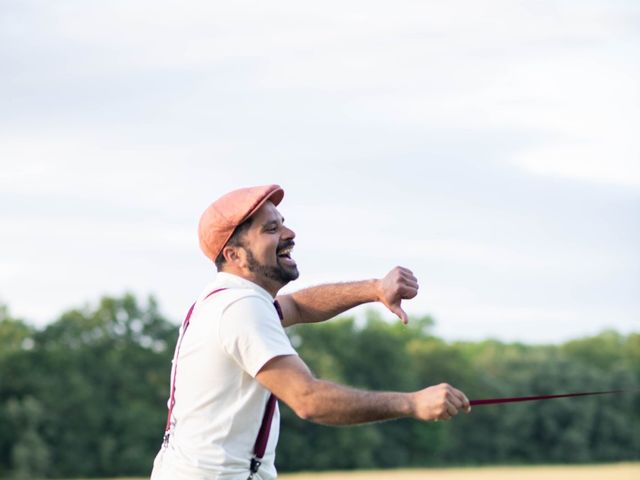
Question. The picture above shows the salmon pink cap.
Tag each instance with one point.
(221, 218)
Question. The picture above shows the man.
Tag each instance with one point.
(232, 350)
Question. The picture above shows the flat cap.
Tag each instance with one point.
(221, 218)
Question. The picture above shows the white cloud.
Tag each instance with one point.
(589, 162)
(120, 112)
(543, 324)
(588, 109)
(90, 165)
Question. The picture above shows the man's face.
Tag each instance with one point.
(268, 244)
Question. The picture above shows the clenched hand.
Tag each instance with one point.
(440, 402)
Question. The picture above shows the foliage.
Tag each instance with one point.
(380, 355)
(86, 396)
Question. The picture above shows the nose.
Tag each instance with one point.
(288, 234)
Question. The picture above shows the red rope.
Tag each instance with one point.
(490, 401)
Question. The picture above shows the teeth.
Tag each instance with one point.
(285, 251)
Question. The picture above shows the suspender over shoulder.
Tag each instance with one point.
(262, 439)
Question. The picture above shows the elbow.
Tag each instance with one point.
(305, 413)
(305, 405)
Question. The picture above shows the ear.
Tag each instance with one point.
(233, 255)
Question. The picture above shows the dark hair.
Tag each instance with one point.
(234, 241)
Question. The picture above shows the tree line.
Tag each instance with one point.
(85, 396)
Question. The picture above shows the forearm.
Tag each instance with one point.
(332, 404)
(316, 304)
(289, 379)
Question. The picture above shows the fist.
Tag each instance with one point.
(440, 402)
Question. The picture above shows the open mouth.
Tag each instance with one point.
(285, 252)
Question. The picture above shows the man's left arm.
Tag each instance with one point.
(316, 304)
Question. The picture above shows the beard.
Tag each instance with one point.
(280, 273)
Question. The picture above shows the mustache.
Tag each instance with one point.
(286, 244)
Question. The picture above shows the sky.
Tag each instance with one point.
(491, 147)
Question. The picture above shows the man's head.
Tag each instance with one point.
(244, 234)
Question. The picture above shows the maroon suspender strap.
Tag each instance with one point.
(263, 434)
(260, 446)
(172, 396)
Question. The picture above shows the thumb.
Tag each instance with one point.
(395, 308)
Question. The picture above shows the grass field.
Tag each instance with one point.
(616, 471)
(621, 471)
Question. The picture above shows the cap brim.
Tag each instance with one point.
(274, 195)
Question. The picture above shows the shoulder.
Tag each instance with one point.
(223, 298)
(250, 307)
(237, 305)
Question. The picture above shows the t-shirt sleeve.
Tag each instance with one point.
(251, 332)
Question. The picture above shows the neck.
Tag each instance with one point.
(268, 284)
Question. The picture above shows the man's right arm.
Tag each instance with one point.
(320, 401)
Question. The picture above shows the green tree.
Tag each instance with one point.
(101, 374)
(30, 457)
(86, 395)
(16, 341)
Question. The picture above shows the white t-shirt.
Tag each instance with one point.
(219, 405)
